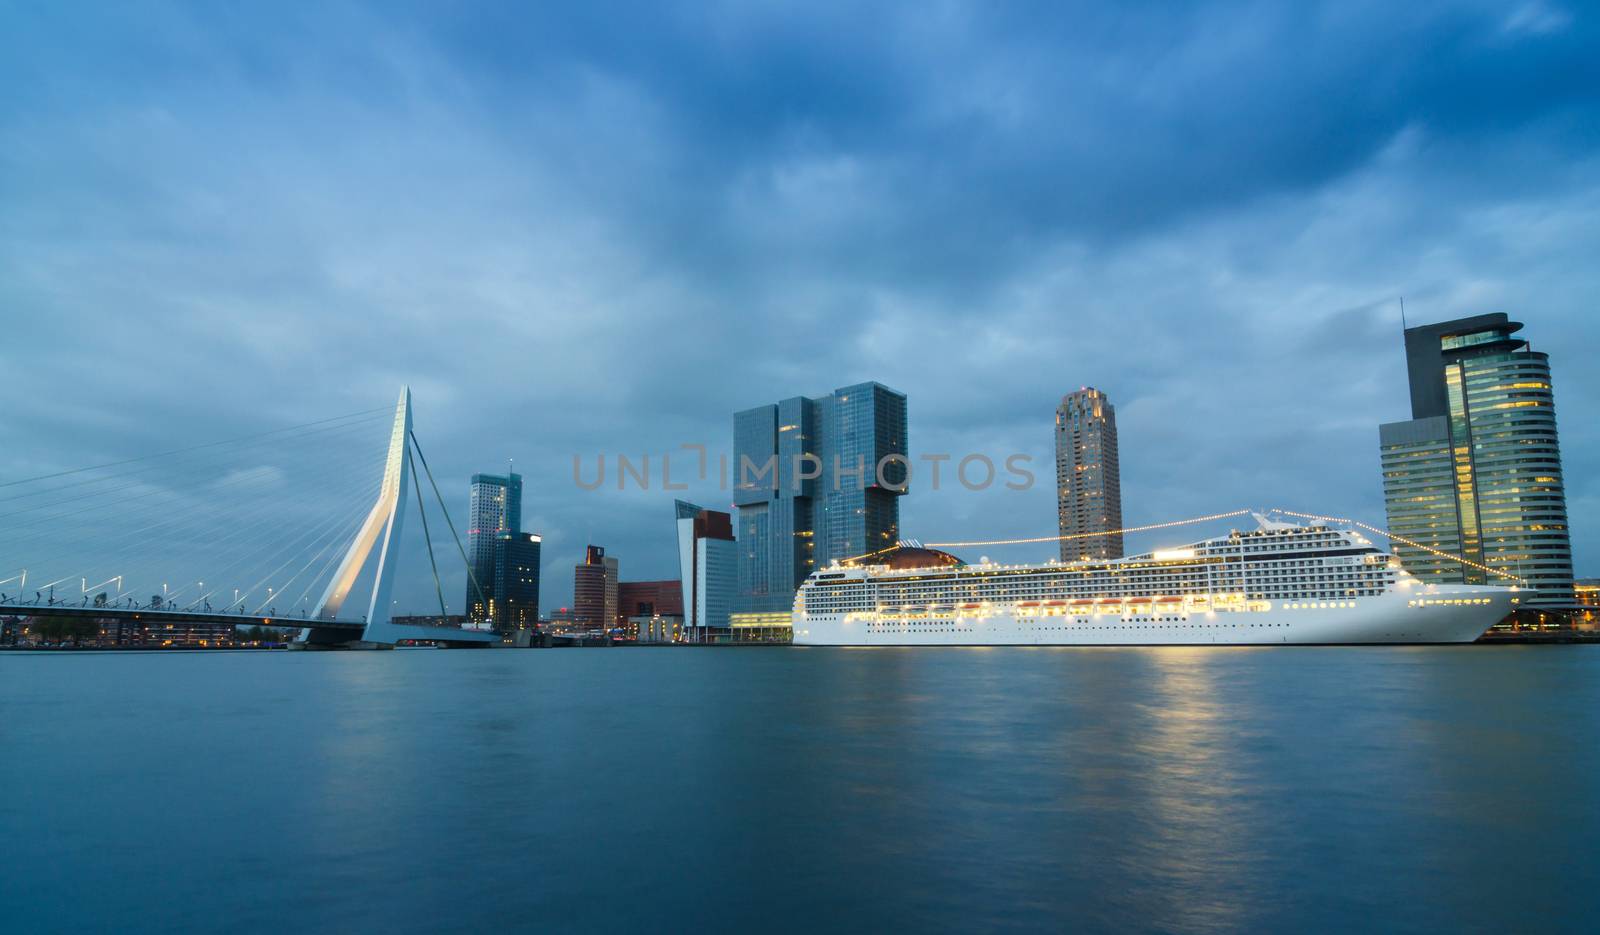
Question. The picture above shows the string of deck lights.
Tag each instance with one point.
(1091, 535)
(1075, 535)
(1203, 519)
(1402, 539)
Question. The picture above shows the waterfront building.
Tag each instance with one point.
(708, 573)
(133, 631)
(1088, 478)
(494, 508)
(654, 628)
(808, 490)
(1476, 471)
(514, 595)
(1586, 591)
(767, 626)
(594, 590)
(649, 599)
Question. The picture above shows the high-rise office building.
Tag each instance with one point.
(708, 560)
(1088, 478)
(514, 594)
(495, 507)
(1476, 471)
(791, 522)
(594, 590)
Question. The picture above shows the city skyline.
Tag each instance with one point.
(1131, 467)
(244, 219)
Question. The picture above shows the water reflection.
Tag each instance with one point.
(1098, 789)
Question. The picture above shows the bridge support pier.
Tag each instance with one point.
(315, 639)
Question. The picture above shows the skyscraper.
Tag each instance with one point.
(791, 522)
(1088, 478)
(1476, 471)
(708, 560)
(594, 590)
(495, 507)
(514, 594)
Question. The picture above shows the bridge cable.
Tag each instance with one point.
(180, 500)
(244, 528)
(1404, 541)
(341, 546)
(428, 538)
(50, 520)
(124, 475)
(439, 497)
(176, 451)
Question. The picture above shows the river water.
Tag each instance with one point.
(1285, 789)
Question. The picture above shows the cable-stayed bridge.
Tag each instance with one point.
(282, 528)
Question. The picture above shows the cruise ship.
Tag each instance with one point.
(1279, 584)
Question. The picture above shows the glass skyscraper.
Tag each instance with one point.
(514, 592)
(1088, 478)
(1476, 471)
(495, 508)
(791, 522)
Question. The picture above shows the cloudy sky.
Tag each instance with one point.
(602, 229)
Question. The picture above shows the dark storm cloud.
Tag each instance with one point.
(603, 228)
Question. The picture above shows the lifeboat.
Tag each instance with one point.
(1027, 603)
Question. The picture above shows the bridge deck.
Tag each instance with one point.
(353, 628)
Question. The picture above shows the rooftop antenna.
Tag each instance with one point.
(1402, 313)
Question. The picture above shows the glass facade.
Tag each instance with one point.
(494, 508)
(1420, 493)
(514, 595)
(1088, 478)
(708, 564)
(807, 488)
(1476, 473)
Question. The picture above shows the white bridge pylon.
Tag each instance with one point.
(384, 519)
(384, 522)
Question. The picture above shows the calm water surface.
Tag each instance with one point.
(714, 789)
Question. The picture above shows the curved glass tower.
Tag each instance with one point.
(1476, 472)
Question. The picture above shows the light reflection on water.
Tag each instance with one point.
(1161, 789)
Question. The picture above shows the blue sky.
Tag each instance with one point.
(604, 228)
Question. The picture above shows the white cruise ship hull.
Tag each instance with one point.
(1420, 614)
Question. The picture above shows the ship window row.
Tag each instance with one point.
(1285, 592)
(1153, 624)
(1374, 578)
